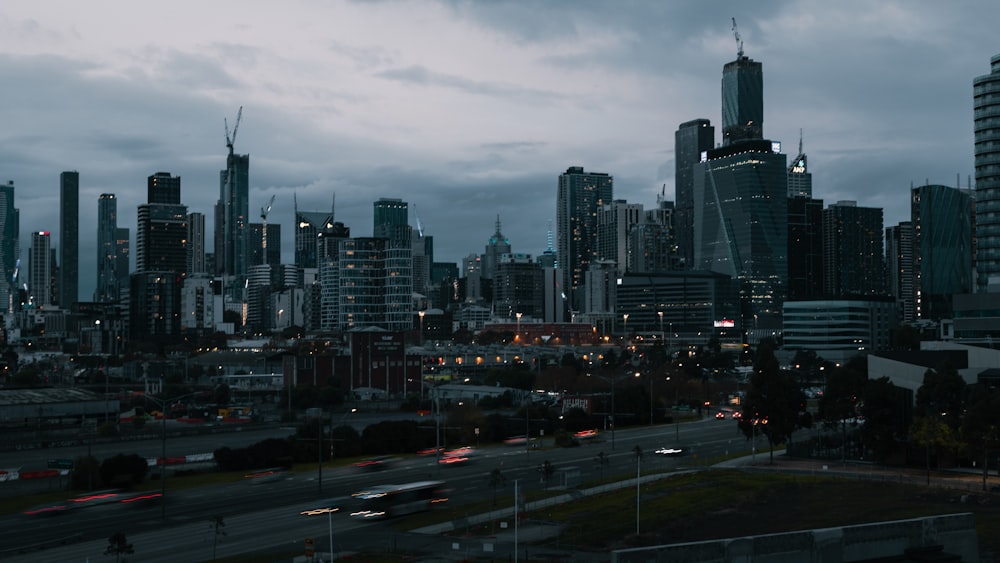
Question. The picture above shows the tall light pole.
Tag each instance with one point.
(625, 323)
(660, 314)
(163, 403)
(517, 335)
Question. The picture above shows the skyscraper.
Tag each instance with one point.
(742, 100)
(853, 255)
(107, 288)
(69, 238)
(942, 227)
(579, 197)
(805, 248)
(233, 209)
(615, 220)
(986, 104)
(497, 246)
(741, 223)
(163, 188)
(391, 219)
(308, 226)
(799, 177)
(40, 269)
(10, 249)
(691, 139)
(162, 231)
(899, 258)
(375, 284)
(196, 243)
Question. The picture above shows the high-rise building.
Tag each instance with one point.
(805, 247)
(691, 139)
(161, 232)
(196, 244)
(375, 284)
(741, 224)
(800, 183)
(517, 287)
(40, 269)
(255, 244)
(69, 239)
(391, 219)
(107, 289)
(233, 209)
(10, 248)
(579, 197)
(155, 306)
(899, 258)
(497, 246)
(742, 100)
(986, 104)
(942, 227)
(853, 255)
(123, 250)
(615, 220)
(308, 226)
(163, 188)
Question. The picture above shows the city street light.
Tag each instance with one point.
(518, 333)
(660, 314)
(421, 315)
(625, 323)
(163, 403)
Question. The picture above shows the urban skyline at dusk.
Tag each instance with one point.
(469, 111)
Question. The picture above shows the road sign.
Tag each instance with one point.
(60, 464)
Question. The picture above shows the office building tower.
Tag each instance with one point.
(10, 247)
(198, 304)
(579, 197)
(162, 231)
(123, 249)
(899, 258)
(741, 224)
(986, 106)
(40, 270)
(106, 290)
(196, 244)
(391, 220)
(163, 188)
(255, 244)
(375, 284)
(805, 247)
(69, 239)
(496, 248)
(155, 306)
(691, 139)
(742, 100)
(799, 177)
(422, 255)
(853, 255)
(232, 214)
(615, 221)
(308, 226)
(517, 287)
(942, 227)
(472, 275)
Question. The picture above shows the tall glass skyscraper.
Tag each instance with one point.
(10, 250)
(691, 139)
(69, 238)
(741, 224)
(986, 104)
(234, 210)
(107, 249)
(579, 198)
(391, 219)
(942, 227)
(742, 100)
(853, 251)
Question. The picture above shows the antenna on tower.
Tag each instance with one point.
(800, 141)
(739, 42)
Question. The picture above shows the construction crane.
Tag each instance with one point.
(264, 211)
(230, 141)
(736, 34)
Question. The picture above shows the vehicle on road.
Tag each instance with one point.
(673, 451)
(387, 501)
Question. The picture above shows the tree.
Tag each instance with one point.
(841, 399)
(981, 424)
(885, 410)
(118, 545)
(932, 433)
(773, 401)
(943, 394)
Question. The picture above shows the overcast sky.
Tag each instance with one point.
(468, 110)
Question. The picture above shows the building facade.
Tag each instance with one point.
(742, 100)
(69, 239)
(853, 254)
(40, 270)
(942, 228)
(10, 247)
(615, 221)
(986, 107)
(579, 196)
(691, 139)
(107, 289)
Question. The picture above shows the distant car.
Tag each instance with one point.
(720, 415)
(375, 464)
(674, 451)
(737, 415)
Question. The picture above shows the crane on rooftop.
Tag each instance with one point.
(739, 42)
(264, 211)
(230, 141)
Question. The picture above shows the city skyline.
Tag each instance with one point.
(474, 112)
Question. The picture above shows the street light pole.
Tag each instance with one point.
(421, 315)
(625, 327)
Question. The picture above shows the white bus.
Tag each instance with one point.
(387, 501)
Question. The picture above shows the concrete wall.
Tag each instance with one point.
(956, 533)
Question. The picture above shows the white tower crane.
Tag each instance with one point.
(264, 211)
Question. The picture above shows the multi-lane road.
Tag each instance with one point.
(266, 516)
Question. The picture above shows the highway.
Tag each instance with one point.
(262, 516)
